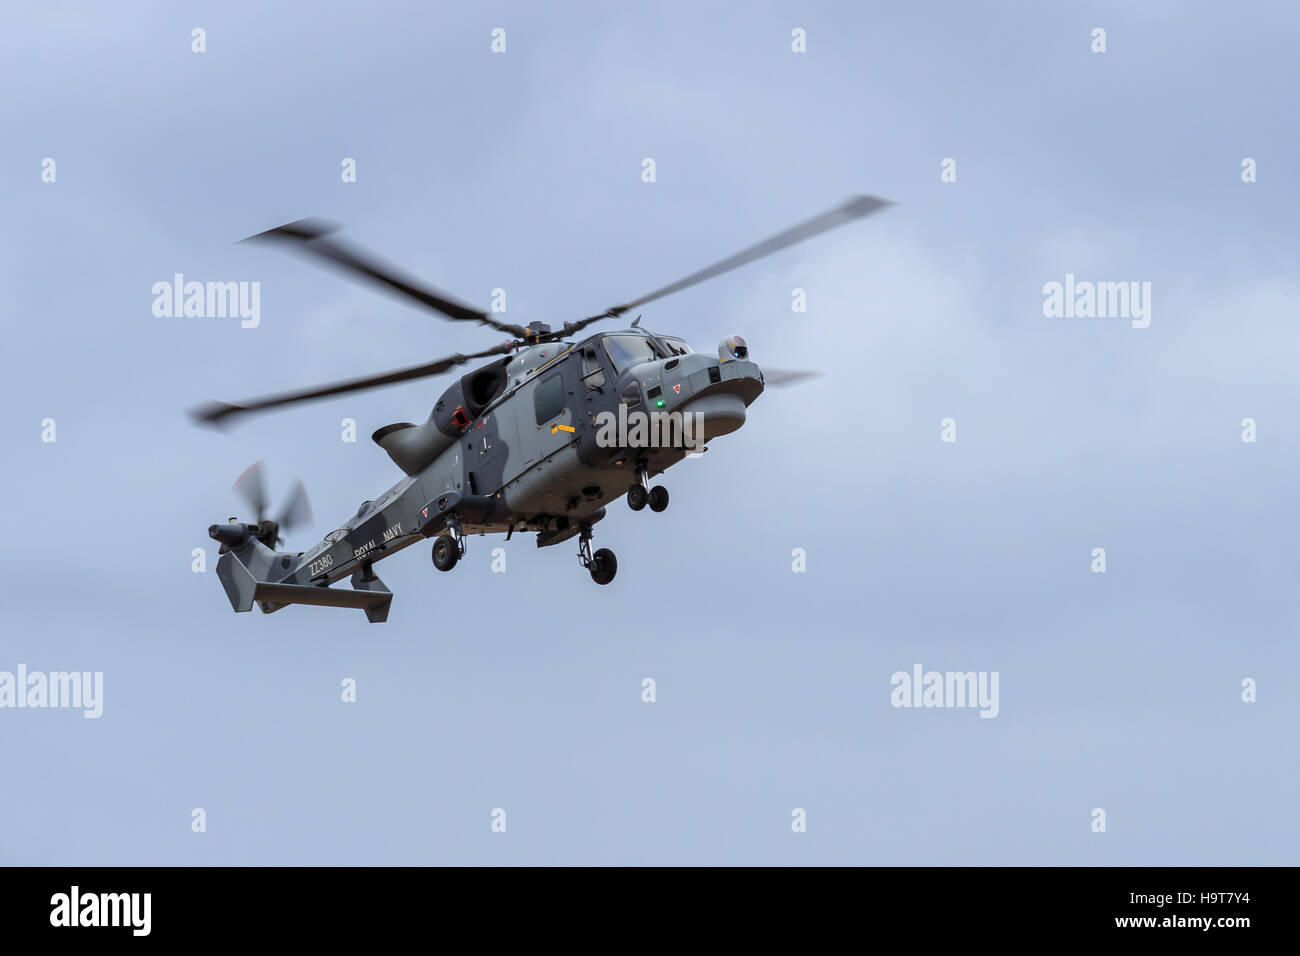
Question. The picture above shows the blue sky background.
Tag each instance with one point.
(522, 690)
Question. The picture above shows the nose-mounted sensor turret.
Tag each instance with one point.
(732, 347)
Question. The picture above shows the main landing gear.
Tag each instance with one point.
(602, 565)
(641, 494)
(449, 548)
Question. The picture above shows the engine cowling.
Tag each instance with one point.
(413, 447)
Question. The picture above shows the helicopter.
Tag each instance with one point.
(541, 439)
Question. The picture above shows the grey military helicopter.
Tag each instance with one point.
(525, 443)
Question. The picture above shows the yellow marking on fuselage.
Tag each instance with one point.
(541, 368)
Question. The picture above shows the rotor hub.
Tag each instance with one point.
(537, 331)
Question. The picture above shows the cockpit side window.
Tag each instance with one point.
(625, 350)
(675, 345)
(593, 375)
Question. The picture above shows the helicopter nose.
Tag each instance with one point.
(721, 413)
(719, 391)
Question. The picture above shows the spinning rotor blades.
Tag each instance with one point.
(853, 208)
(311, 237)
(251, 486)
(214, 413)
(781, 377)
(297, 509)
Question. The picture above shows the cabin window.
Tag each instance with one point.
(548, 398)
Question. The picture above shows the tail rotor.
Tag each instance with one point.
(251, 486)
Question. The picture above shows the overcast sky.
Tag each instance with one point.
(522, 690)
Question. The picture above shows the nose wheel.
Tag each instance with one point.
(602, 565)
(641, 494)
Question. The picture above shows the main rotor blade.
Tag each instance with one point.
(853, 208)
(213, 413)
(251, 486)
(309, 236)
(781, 377)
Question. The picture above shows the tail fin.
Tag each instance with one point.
(244, 589)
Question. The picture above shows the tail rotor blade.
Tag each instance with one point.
(251, 486)
(297, 509)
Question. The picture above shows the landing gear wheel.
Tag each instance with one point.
(603, 566)
(446, 552)
(658, 498)
(637, 497)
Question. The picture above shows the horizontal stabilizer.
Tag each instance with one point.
(368, 601)
(325, 597)
(244, 589)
